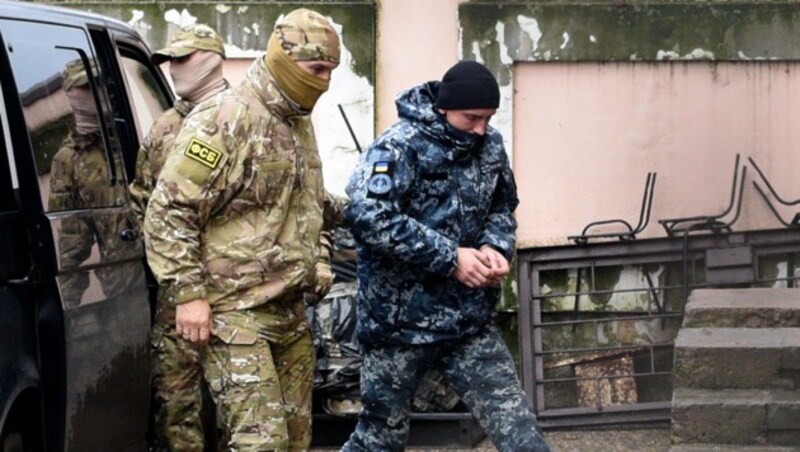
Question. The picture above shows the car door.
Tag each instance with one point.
(19, 374)
(95, 341)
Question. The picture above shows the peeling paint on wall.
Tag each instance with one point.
(500, 29)
(530, 28)
(696, 54)
(500, 33)
(336, 147)
(245, 28)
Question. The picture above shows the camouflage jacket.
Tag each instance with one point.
(153, 153)
(80, 180)
(421, 190)
(238, 209)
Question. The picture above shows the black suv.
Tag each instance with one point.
(77, 93)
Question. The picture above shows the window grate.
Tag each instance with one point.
(597, 322)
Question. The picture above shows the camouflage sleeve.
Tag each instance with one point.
(333, 211)
(500, 226)
(191, 186)
(333, 217)
(378, 222)
(325, 246)
(143, 183)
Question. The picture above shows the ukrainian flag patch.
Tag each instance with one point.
(380, 182)
(203, 153)
(381, 167)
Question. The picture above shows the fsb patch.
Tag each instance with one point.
(203, 153)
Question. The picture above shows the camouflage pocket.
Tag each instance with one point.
(313, 177)
(236, 328)
(434, 184)
(267, 167)
(273, 177)
(245, 365)
(224, 365)
(235, 336)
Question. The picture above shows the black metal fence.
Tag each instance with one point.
(597, 321)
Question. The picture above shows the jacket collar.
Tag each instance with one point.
(417, 106)
(184, 107)
(82, 141)
(259, 79)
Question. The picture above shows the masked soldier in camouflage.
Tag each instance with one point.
(195, 54)
(432, 214)
(80, 179)
(233, 233)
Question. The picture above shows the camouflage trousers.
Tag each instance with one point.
(480, 370)
(263, 388)
(177, 376)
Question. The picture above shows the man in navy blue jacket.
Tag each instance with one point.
(432, 214)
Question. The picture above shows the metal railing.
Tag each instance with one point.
(597, 322)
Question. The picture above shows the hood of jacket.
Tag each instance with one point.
(416, 105)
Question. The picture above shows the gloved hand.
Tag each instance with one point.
(324, 279)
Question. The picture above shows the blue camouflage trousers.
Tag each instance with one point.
(480, 370)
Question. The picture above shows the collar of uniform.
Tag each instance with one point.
(183, 107)
(262, 82)
(83, 141)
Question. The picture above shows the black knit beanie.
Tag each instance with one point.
(468, 85)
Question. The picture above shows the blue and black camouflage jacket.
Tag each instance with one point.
(421, 190)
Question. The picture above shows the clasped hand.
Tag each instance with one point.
(480, 268)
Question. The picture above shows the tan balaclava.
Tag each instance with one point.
(195, 54)
(198, 76)
(80, 97)
(302, 35)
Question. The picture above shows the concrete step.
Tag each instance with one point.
(736, 416)
(737, 358)
(747, 308)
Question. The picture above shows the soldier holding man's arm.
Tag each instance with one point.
(233, 233)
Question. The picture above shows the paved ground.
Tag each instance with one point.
(639, 440)
(609, 440)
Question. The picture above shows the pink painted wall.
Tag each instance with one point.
(586, 134)
(417, 41)
(235, 68)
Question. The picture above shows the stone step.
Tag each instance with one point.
(738, 358)
(747, 308)
(736, 416)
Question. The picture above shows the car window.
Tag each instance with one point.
(57, 79)
(13, 254)
(7, 202)
(147, 98)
